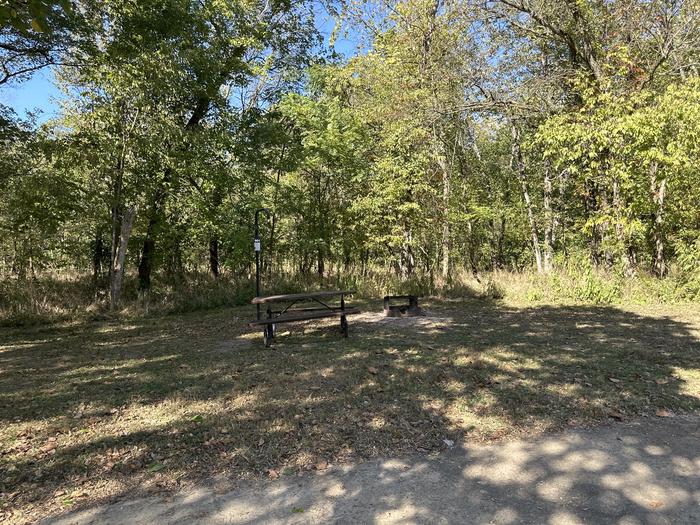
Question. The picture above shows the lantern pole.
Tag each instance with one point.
(257, 246)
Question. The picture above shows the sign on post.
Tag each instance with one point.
(256, 244)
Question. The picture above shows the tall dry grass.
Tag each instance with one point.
(56, 297)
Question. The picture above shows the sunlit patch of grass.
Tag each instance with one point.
(688, 379)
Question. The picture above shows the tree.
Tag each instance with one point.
(35, 34)
(164, 75)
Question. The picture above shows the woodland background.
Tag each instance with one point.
(544, 148)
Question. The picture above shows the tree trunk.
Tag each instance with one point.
(605, 228)
(98, 250)
(500, 262)
(558, 218)
(16, 264)
(273, 220)
(407, 259)
(347, 258)
(518, 165)
(146, 263)
(175, 267)
(155, 219)
(659, 195)
(622, 239)
(271, 245)
(117, 265)
(117, 213)
(30, 259)
(591, 207)
(472, 252)
(214, 256)
(549, 221)
(320, 267)
(446, 225)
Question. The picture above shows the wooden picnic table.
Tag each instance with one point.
(287, 314)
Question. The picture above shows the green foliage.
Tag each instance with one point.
(453, 146)
(31, 15)
(689, 263)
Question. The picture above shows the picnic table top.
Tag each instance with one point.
(299, 296)
(304, 316)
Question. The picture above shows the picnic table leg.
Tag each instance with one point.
(343, 319)
(269, 331)
(266, 336)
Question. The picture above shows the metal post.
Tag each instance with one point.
(257, 246)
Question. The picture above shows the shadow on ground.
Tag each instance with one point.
(93, 411)
(646, 472)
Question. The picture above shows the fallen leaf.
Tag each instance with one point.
(663, 413)
(155, 467)
(372, 370)
(656, 504)
(297, 510)
(614, 380)
(322, 465)
(273, 474)
(662, 381)
(49, 447)
(616, 414)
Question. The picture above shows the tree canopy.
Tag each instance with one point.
(461, 134)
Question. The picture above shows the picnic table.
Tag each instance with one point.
(284, 313)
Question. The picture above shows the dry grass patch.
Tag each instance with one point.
(93, 411)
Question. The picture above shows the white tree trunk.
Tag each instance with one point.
(519, 167)
(446, 223)
(659, 195)
(549, 221)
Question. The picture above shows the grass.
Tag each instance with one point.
(64, 296)
(91, 411)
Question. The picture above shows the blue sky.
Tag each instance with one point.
(39, 94)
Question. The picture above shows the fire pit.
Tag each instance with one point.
(402, 310)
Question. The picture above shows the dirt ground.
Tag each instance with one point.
(642, 472)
